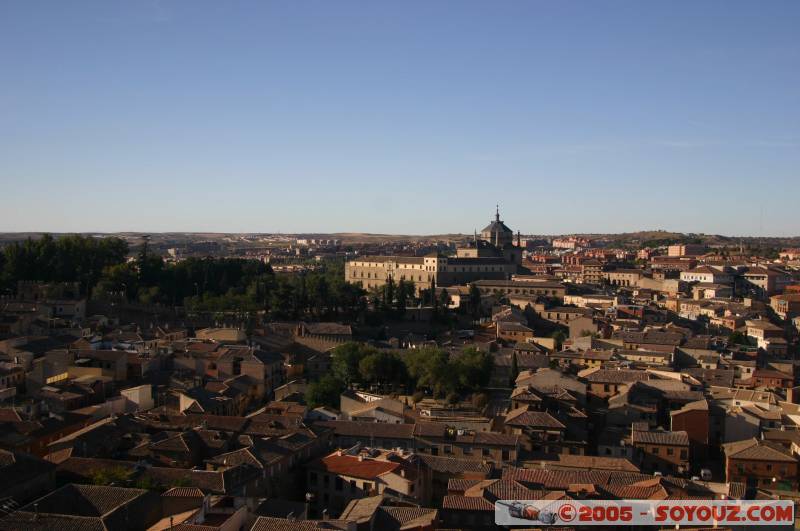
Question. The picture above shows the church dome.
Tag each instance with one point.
(497, 232)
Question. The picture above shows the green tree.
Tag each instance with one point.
(444, 300)
(514, 369)
(560, 337)
(474, 301)
(388, 293)
(147, 483)
(320, 295)
(383, 368)
(116, 475)
(474, 368)
(119, 278)
(452, 398)
(282, 300)
(324, 392)
(738, 338)
(405, 291)
(346, 361)
(72, 258)
(429, 367)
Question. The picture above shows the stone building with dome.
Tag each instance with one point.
(492, 255)
(497, 233)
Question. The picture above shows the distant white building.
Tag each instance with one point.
(707, 275)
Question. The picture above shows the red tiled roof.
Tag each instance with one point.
(536, 419)
(617, 376)
(460, 485)
(455, 465)
(466, 503)
(184, 492)
(672, 438)
(490, 438)
(762, 452)
(352, 466)
(369, 429)
(430, 429)
(9, 415)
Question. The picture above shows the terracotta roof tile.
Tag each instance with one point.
(536, 419)
(352, 466)
(466, 503)
(673, 438)
(369, 429)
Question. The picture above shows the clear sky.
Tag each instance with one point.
(400, 116)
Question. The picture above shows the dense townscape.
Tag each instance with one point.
(348, 382)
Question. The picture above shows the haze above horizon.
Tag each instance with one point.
(400, 118)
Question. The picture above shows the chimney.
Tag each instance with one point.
(307, 508)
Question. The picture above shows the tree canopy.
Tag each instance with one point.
(346, 361)
(428, 368)
(383, 368)
(324, 392)
(72, 258)
(432, 368)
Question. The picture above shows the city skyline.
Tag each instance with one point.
(403, 266)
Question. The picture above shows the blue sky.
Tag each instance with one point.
(400, 117)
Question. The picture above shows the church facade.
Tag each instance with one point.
(490, 256)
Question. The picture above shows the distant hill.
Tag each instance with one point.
(652, 238)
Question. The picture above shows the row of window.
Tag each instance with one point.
(655, 450)
(382, 265)
(754, 468)
(338, 483)
(525, 291)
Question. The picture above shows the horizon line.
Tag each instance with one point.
(410, 235)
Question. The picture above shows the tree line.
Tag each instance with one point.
(429, 370)
(104, 271)
(236, 284)
(71, 258)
